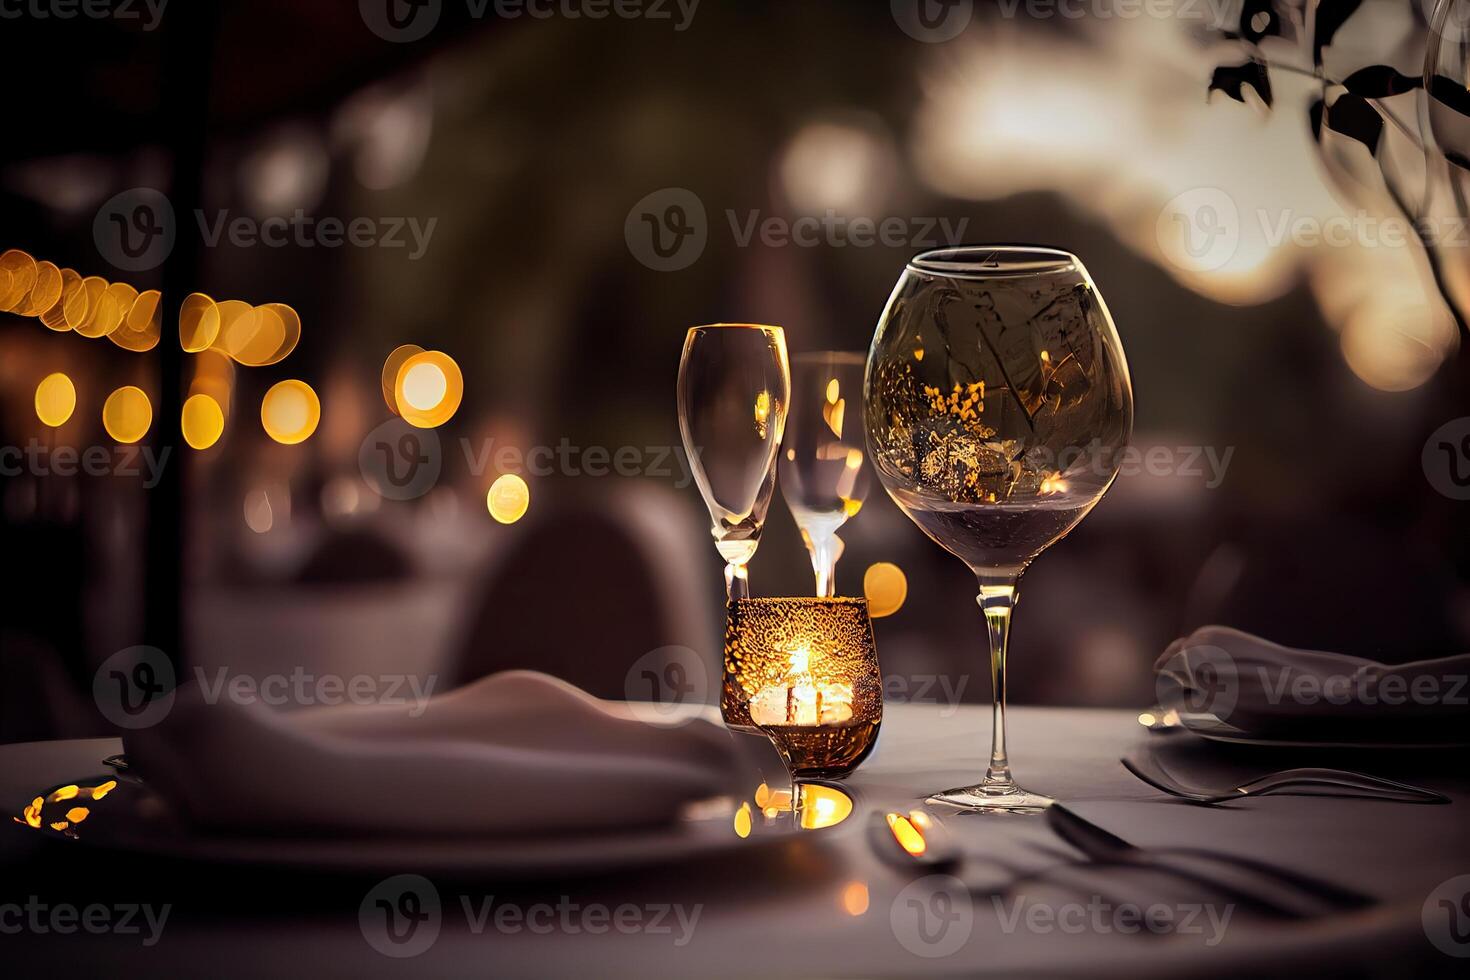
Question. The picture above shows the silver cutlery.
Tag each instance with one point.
(1246, 881)
(1287, 780)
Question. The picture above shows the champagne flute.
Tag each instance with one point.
(996, 401)
(734, 389)
(823, 477)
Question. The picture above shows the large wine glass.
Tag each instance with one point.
(823, 477)
(996, 401)
(734, 389)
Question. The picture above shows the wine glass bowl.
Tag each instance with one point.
(822, 473)
(996, 401)
(734, 390)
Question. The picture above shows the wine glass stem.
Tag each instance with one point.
(824, 564)
(997, 599)
(737, 583)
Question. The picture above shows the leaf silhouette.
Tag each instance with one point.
(1354, 117)
(1230, 78)
(1380, 81)
(1328, 16)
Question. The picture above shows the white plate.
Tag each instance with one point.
(133, 819)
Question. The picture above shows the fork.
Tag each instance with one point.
(1347, 783)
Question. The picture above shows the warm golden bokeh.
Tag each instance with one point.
(141, 328)
(127, 414)
(45, 292)
(428, 389)
(56, 399)
(202, 421)
(17, 276)
(199, 322)
(86, 311)
(55, 318)
(391, 367)
(290, 412)
(886, 588)
(509, 498)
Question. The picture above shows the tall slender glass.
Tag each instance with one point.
(823, 476)
(734, 390)
(996, 401)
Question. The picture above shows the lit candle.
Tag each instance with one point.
(800, 699)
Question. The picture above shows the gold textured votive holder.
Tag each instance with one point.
(804, 672)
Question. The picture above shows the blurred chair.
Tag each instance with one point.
(587, 589)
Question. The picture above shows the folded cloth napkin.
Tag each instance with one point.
(514, 753)
(1225, 682)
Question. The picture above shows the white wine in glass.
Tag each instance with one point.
(996, 401)
(734, 389)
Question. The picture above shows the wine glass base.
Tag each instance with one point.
(992, 798)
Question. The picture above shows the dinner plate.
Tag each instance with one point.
(1212, 728)
(117, 812)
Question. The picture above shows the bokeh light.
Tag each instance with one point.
(508, 499)
(85, 315)
(56, 399)
(127, 414)
(141, 329)
(199, 322)
(55, 318)
(202, 421)
(391, 367)
(886, 587)
(428, 389)
(290, 412)
(17, 276)
(45, 292)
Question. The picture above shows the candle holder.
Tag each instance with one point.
(804, 672)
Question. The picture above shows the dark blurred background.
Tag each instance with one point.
(1286, 395)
